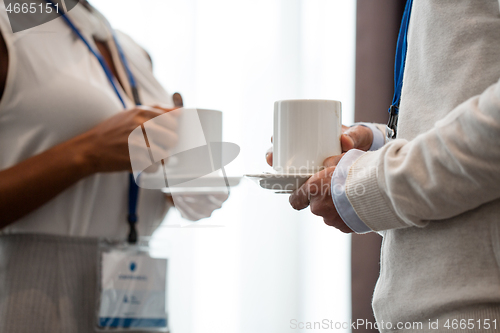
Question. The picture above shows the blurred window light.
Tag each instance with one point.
(261, 264)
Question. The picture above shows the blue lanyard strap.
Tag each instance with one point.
(399, 67)
(99, 57)
(130, 76)
(133, 191)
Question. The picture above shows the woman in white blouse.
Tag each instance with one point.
(64, 166)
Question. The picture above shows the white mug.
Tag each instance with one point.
(306, 132)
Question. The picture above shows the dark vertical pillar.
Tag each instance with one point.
(376, 37)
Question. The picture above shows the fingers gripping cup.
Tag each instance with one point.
(306, 132)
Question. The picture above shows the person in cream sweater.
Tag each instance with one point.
(434, 192)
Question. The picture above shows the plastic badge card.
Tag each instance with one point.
(133, 292)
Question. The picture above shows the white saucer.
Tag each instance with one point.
(199, 185)
(280, 182)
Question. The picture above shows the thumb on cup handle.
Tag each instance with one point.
(356, 137)
(269, 156)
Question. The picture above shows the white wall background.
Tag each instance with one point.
(264, 264)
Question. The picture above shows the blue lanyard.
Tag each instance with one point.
(133, 192)
(399, 68)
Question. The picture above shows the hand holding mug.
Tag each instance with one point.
(105, 147)
(316, 193)
(355, 137)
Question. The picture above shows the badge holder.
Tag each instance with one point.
(132, 288)
(391, 130)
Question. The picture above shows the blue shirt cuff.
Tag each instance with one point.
(378, 136)
(340, 200)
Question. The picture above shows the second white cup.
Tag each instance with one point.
(306, 132)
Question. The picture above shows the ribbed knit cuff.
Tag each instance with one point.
(364, 194)
(342, 204)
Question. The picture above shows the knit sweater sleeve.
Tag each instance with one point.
(452, 168)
